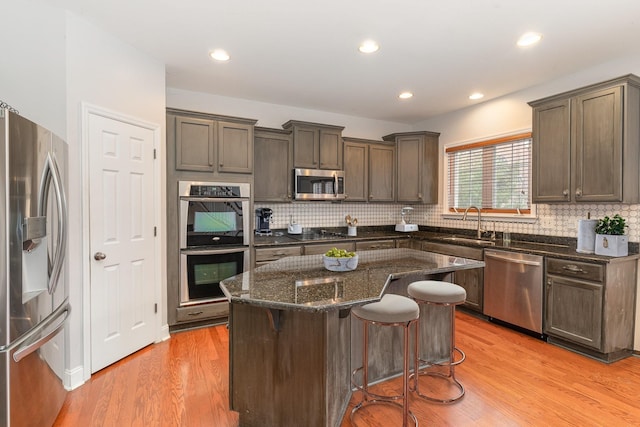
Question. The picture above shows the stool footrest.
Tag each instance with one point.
(366, 403)
(416, 389)
(368, 394)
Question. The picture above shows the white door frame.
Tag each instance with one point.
(162, 328)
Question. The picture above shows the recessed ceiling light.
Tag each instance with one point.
(529, 39)
(476, 95)
(405, 95)
(368, 46)
(219, 55)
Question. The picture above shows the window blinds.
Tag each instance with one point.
(493, 175)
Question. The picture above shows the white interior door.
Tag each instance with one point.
(121, 200)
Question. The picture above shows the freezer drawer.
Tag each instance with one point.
(33, 392)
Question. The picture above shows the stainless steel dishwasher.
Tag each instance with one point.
(513, 288)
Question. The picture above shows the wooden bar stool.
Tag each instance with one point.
(445, 294)
(391, 310)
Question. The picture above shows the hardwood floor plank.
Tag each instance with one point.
(511, 379)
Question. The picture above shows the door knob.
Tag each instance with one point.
(99, 256)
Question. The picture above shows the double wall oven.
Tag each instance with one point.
(214, 238)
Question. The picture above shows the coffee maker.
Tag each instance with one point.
(263, 218)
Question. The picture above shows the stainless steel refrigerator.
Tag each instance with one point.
(33, 293)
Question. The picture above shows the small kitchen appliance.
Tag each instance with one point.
(263, 220)
(294, 227)
(403, 225)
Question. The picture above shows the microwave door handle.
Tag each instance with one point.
(50, 174)
(335, 184)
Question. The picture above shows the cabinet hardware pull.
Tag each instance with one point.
(565, 193)
(195, 313)
(573, 268)
(578, 192)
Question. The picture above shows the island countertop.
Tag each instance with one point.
(302, 282)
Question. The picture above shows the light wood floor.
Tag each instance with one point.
(511, 380)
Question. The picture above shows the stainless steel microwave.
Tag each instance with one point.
(318, 184)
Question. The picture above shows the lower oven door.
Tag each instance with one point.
(202, 270)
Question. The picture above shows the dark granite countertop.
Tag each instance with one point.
(302, 282)
(562, 247)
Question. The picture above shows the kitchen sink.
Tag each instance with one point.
(480, 242)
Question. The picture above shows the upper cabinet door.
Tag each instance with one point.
(551, 152)
(306, 147)
(235, 147)
(598, 145)
(330, 149)
(194, 144)
(356, 171)
(382, 173)
(410, 165)
(272, 165)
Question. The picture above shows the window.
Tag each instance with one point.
(492, 175)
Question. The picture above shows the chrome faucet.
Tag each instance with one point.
(464, 217)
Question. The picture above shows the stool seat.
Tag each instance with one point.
(390, 309)
(437, 292)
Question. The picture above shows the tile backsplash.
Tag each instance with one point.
(553, 220)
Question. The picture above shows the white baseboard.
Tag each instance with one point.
(73, 378)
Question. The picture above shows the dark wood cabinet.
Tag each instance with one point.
(590, 306)
(194, 144)
(471, 280)
(585, 144)
(210, 143)
(316, 146)
(417, 170)
(273, 165)
(369, 168)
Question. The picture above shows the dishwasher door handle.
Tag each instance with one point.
(513, 260)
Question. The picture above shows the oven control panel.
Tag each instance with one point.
(214, 191)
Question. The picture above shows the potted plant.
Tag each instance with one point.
(610, 237)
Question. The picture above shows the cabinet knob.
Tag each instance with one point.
(419, 195)
(221, 165)
(99, 256)
(578, 192)
(565, 193)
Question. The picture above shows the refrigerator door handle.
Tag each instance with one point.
(50, 174)
(32, 341)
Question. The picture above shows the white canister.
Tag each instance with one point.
(352, 231)
(586, 236)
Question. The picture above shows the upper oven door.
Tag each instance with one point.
(206, 221)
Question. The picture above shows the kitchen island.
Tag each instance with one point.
(292, 342)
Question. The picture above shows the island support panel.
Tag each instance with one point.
(295, 375)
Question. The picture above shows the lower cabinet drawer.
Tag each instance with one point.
(576, 269)
(203, 311)
(324, 247)
(375, 244)
(272, 254)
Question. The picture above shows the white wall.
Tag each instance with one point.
(274, 116)
(107, 73)
(32, 70)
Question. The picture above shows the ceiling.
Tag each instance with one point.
(304, 54)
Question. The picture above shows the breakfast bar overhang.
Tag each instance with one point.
(292, 343)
